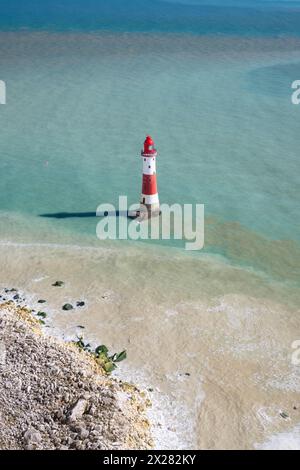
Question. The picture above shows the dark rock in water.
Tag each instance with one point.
(58, 283)
(284, 415)
(80, 326)
(80, 303)
(16, 297)
(67, 307)
(41, 301)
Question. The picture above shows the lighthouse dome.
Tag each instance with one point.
(149, 145)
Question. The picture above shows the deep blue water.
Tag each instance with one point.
(194, 16)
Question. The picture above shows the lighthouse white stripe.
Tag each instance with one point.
(149, 199)
(149, 166)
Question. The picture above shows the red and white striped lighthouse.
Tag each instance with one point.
(149, 197)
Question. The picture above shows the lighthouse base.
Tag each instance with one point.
(146, 211)
(149, 210)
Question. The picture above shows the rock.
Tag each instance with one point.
(82, 432)
(78, 445)
(29, 447)
(16, 297)
(58, 414)
(32, 436)
(67, 307)
(80, 303)
(45, 382)
(77, 410)
(41, 301)
(284, 415)
(58, 283)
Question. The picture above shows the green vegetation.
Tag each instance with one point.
(42, 314)
(101, 355)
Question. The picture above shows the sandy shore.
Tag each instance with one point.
(217, 366)
(54, 396)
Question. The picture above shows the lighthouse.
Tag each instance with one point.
(149, 197)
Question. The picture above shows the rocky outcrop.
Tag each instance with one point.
(54, 396)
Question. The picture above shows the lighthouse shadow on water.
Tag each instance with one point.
(70, 215)
(149, 202)
(151, 221)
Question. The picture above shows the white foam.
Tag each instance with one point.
(289, 440)
(172, 422)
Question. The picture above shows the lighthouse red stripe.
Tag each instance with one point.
(149, 185)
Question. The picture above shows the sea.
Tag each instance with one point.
(210, 334)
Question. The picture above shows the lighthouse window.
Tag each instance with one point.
(144, 159)
(149, 166)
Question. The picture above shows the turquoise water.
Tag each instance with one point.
(211, 81)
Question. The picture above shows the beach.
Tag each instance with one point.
(221, 361)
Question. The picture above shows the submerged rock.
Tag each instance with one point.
(80, 303)
(58, 283)
(67, 307)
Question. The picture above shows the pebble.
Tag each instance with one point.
(77, 410)
(32, 436)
